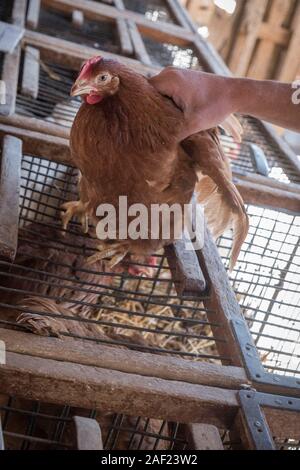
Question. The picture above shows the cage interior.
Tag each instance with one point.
(266, 281)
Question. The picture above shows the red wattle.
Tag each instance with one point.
(93, 99)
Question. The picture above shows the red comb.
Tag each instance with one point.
(88, 66)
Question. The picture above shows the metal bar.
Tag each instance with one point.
(257, 429)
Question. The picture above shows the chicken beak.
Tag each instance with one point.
(78, 90)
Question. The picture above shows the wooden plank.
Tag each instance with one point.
(31, 72)
(204, 437)
(10, 74)
(36, 125)
(291, 65)
(156, 29)
(186, 272)
(177, 13)
(87, 434)
(10, 182)
(10, 36)
(221, 301)
(124, 360)
(138, 44)
(95, 388)
(33, 13)
(77, 19)
(18, 13)
(245, 43)
(268, 196)
(72, 55)
(265, 57)
(10, 68)
(36, 144)
(124, 37)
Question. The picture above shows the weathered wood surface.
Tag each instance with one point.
(87, 434)
(72, 55)
(31, 72)
(221, 301)
(124, 360)
(10, 182)
(37, 144)
(138, 43)
(269, 196)
(10, 68)
(186, 272)
(203, 437)
(124, 37)
(36, 125)
(158, 30)
(10, 73)
(10, 36)
(33, 13)
(113, 391)
(92, 387)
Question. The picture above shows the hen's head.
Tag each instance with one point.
(96, 80)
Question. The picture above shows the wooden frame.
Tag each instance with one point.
(254, 190)
(143, 384)
(10, 70)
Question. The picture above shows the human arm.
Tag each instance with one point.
(207, 100)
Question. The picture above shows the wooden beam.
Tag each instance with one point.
(178, 14)
(124, 360)
(10, 182)
(186, 272)
(264, 60)
(124, 37)
(89, 387)
(246, 40)
(10, 36)
(72, 55)
(138, 44)
(221, 301)
(31, 72)
(291, 64)
(10, 68)
(10, 75)
(36, 125)
(33, 13)
(204, 437)
(158, 30)
(269, 196)
(87, 434)
(40, 145)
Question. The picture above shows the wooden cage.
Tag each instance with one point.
(179, 360)
(261, 39)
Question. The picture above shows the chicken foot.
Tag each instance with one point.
(116, 253)
(78, 209)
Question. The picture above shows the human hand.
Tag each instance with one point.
(206, 100)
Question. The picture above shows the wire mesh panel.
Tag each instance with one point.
(51, 276)
(97, 34)
(29, 425)
(266, 281)
(53, 103)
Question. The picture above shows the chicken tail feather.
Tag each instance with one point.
(221, 214)
(233, 128)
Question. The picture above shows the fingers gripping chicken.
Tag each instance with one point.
(125, 140)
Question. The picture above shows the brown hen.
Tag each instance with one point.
(126, 141)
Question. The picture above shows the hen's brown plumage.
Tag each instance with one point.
(129, 144)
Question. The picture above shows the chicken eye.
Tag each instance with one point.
(103, 78)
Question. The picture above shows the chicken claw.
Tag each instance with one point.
(78, 209)
(116, 253)
(41, 325)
